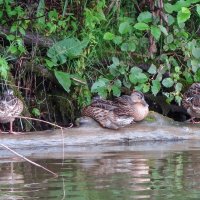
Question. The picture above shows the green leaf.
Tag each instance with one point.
(137, 76)
(40, 14)
(49, 63)
(155, 88)
(117, 40)
(36, 112)
(116, 91)
(67, 48)
(183, 15)
(102, 92)
(128, 46)
(145, 17)
(195, 65)
(113, 70)
(124, 27)
(124, 46)
(64, 79)
(168, 82)
(196, 52)
(168, 8)
(118, 83)
(10, 37)
(108, 36)
(100, 83)
(132, 46)
(135, 70)
(133, 78)
(126, 83)
(22, 31)
(152, 69)
(4, 68)
(163, 29)
(178, 87)
(142, 78)
(178, 99)
(156, 32)
(197, 76)
(198, 9)
(169, 39)
(171, 19)
(115, 61)
(141, 26)
(146, 88)
(188, 76)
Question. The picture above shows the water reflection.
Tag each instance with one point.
(109, 175)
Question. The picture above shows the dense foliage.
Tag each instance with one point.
(103, 47)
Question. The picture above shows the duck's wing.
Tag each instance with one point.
(10, 106)
(124, 110)
(123, 100)
(191, 95)
(195, 104)
(103, 104)
(106, 118)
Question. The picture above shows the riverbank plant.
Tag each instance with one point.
(81, 49)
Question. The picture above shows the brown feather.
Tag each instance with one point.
(191, 100)
(118, 113)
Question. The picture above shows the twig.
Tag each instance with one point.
(30, 161)
(63, 141)
(79, 81)
(40, 120)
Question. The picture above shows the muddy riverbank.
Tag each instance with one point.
(155, 128)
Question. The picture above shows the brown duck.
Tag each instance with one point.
(191, 101)
(10, 107)
(121, 112)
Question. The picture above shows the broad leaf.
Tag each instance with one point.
(67, 48)
(198, 9)
(145, 17)
(152, 69)
(178, 87)
(142, 78)
(196, 52)
(64, 79)
(155, 88)
(146, 88)
(183, 15)
(168, 82)
(163, 29)
(141, 26)
(108, 36)
(124, 27)
(115, 61)
(156, 32)
(117, 40)
(102, 82)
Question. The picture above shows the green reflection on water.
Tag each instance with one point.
(121, 175)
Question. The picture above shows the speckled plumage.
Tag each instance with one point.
(121, 112)
(191, 101)
(10, 107)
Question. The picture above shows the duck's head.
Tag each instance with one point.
(138, 97)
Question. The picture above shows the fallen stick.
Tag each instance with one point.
(30, 161)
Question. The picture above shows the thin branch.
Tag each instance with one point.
(30, 161)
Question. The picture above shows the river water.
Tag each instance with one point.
(156, 170)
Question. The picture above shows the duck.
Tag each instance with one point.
(191, 102)
(10, 108)
(120, 112)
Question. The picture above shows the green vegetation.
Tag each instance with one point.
(75, 49)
